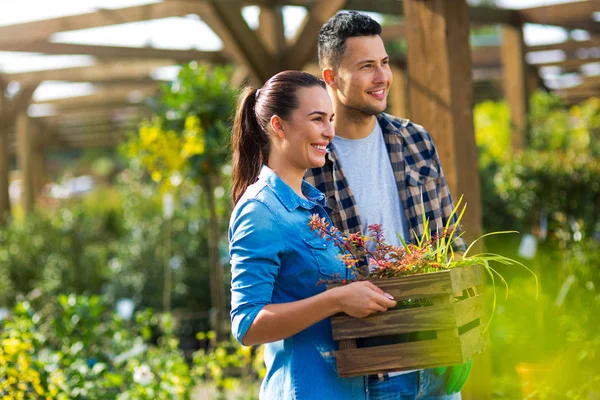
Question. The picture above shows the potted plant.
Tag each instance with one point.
(440, 317)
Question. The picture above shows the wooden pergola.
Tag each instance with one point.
(434, 82)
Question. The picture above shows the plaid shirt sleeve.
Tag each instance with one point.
(446, 204)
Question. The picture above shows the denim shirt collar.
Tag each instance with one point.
(286, 194)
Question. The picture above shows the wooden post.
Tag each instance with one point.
(441, 99)
(8, 112)
(441, 94)
(24, 160)
(4, 157)
(399, 93)
(4, 175)
(38, 161)
(515, 82)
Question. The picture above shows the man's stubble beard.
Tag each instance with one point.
(360, 113)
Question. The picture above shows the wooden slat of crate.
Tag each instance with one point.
(430, 318)
(473, 341)
(398, 357)
(470, 309)
(444, 317)
(466, 277)
(432, 284)
(394, 322)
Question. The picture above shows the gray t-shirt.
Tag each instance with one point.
(368, 171)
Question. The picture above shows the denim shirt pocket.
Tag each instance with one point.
(325, 255)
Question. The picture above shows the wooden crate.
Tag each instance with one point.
(453, 322)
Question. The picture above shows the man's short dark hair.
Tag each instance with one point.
(333, 35)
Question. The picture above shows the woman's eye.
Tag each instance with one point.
(317, 119)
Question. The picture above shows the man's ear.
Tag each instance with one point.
(277, 126)
(329, 77)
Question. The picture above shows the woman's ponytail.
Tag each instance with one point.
(249, 145)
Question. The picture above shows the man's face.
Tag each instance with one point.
(363, 77)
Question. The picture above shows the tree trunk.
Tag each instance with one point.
(217, 294)
(168, 274)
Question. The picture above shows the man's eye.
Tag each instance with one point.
(366, 66)
(317, 119)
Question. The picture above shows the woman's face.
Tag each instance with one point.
(308, 130)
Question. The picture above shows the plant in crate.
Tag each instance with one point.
(440, 316)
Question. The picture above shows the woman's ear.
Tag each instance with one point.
(277, 126)
(329, 77)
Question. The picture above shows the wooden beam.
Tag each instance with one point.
(72, 116)
(590, 82)
(115, 96)
(560, 14)
(393, 32)
(101, 127)
(304, 47)
(231, 48)
(486, 15)
(248, 44)
(96, 143)
(96, 73)
(41, 30)
(441, 99)
(486, 57)
(578, 93)
(483, 15)
(136, 53)
(515, 83)
(571, 64)
(569, 45)
(271, 30)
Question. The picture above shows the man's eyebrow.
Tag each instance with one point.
(364, 61)
(371, 60)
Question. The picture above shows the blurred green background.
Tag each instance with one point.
(122, 291)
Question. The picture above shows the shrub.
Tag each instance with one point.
(77, 348)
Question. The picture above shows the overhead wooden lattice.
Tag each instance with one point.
(261, 53)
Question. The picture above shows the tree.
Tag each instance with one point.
(188, 140)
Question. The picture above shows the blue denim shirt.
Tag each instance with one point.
(277, 258)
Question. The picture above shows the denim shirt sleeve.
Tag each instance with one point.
(256, 242)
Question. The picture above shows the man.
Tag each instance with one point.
(380, 170)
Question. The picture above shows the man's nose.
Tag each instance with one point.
(381, 75)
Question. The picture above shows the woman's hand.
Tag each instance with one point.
(360, 299)
(279, 321)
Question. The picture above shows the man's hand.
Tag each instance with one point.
(457, 377)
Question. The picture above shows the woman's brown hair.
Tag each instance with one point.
(250, 139)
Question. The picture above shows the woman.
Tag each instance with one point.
(276, 260)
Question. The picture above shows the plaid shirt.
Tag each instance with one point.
(419, 178)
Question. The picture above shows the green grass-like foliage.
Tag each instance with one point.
(429, 252)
